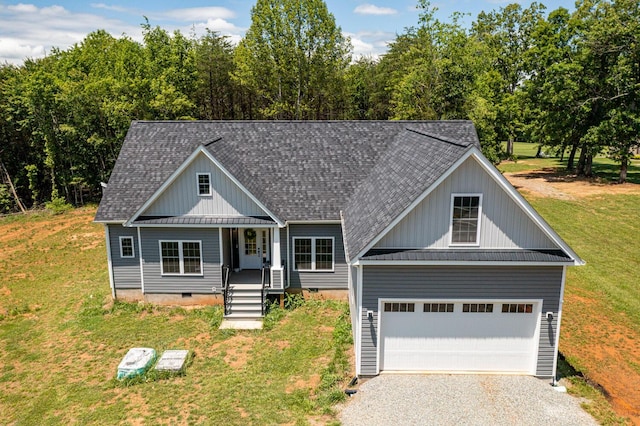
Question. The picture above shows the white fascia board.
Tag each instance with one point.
(199, 150)
(457, 263)
(415, 202)
(525, 206)
(344, 238)
(111, 222)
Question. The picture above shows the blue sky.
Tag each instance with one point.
(29, 29)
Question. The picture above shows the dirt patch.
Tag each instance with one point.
(549, 182)
(298, 383)
(33, 232)
(609, 363)
(237, 350)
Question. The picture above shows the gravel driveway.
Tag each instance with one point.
(461, 400)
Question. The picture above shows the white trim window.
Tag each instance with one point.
(181, 257)
(203, 180)
(466, 210)
(313, 254)
(126, 247)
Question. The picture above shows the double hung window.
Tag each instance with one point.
(465, 219)
(181, 257)
(313, 253)
(126, 247)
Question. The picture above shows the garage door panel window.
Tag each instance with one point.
(313, 254)
(399, 307)
(477, 307)
(517, 308)
(437, 307)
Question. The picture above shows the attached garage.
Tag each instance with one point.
(459, 336)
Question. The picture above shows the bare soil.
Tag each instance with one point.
(548, 182)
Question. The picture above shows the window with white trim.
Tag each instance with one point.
(313, 253)
(465, 218)
(204, 183)
(181, 257)
(126, 247)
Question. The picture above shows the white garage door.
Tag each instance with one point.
(482, 336)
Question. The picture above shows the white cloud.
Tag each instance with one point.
(370, 9)
(13, 50)
(27, 31)
(199, 14)
(110, 7)
(370, 43)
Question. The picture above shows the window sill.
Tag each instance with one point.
(181, 275)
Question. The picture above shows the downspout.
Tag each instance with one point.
(109, 262)
(141, 263)
(289, 266)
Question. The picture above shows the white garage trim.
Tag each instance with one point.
(535, 339)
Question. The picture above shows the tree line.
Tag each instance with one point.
(566, 81)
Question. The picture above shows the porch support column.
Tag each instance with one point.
(276, 262)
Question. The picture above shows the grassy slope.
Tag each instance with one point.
(60, 344)
(601, 321)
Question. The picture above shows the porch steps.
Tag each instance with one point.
(245, 304)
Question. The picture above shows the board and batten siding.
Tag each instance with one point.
(154, 282)
(338, 279)
(460, 282)
(181, 197)
(126, 270)
(503, 223)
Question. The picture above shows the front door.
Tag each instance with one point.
(254, 247)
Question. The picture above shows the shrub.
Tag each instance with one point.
(58, 205)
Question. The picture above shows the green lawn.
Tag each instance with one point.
(61, 341)
(603, 167)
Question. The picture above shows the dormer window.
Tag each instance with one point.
(204, 184)
(465, 219)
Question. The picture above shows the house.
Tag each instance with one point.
(445, 265)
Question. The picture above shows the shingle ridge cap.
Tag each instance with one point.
(440, 138)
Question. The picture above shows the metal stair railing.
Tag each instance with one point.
(225, 288)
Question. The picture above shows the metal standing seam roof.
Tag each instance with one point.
(203, 220)
(300, 170)
(462, 255)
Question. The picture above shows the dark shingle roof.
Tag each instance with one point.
(468, 255)
(413, 162)
(299, 170)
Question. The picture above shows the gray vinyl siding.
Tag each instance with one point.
(154, 282)
(503, 223)
(126, 271)
(181, 197)
(338, 279)
(441, 282)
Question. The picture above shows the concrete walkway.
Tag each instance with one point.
(461, 400)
